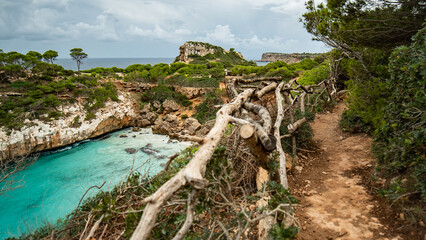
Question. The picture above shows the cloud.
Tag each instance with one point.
(103, 29)
(221, 34)
(253, 25)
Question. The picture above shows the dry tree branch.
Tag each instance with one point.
(189, 216)
(193, 172)
(280, 117)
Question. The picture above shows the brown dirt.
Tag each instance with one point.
(333, 203)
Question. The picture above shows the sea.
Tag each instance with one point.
(90, 63)
(53, 185)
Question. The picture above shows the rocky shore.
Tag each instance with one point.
(38, 135)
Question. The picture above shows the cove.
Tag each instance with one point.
(54, 184)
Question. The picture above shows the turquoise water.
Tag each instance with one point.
(54, 184)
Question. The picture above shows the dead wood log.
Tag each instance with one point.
(302, 102)
(293, 127)
(280, 117)
(263, 114)
(260, 79)
(192, 173)
(266, 90)
(190, 138)
(248, 133)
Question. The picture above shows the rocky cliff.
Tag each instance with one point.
(287, 57)
(38, 135)
(191, 49)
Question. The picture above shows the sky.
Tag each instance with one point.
(143, 29)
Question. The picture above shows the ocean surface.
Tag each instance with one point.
(55, 183)
(90, 63)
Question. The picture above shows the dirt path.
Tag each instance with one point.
(333, 204)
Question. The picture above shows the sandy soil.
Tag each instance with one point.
(333, 203)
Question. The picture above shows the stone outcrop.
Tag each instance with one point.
(170, 106)
(39, 136)
(190, 126)
(287, 57)
(193, 92)
(169, 125)
(194, 48)
(201, 49)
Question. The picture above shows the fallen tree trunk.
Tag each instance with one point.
(192, 173)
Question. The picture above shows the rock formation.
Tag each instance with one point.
(287, 57)
(194, 48)
(41, 136)
(201, 49)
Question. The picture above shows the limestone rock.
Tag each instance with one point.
(130, 150)
(167, 126)
(46, 135)
(191, 125)
(156, 104)
(192, 92)
(146, 109)
(206, 127)
(170, 106)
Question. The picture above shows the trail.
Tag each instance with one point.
(333, 203)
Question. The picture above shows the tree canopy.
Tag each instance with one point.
(49, 56)
(78, 55)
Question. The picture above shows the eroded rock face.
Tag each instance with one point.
(286, 57)
(194, 48)
(170, 106)
(168, 126)
(42, 136)
(191, 92)
(191, 125)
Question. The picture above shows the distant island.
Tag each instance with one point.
(287, 57)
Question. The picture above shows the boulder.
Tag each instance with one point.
(144, 123)
(156, 104)
(149, 151)
(130, 150)
(146, 108)
(191, 125)
(167, 126)
(206, 127)
(170, 106)
(173, 120)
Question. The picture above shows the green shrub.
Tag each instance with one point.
(351, 122)
(315, 75)
(161, 93)
(206, 111)
(400, 139)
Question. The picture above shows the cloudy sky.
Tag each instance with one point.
(142, 28)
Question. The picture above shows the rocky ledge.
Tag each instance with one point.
(39, 136)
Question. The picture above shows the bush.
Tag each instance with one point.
(351, 122)
(315, 75)
(206, 111)
(400, 138)
(161, 93)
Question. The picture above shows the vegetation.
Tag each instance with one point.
(78, 55)
(206, 110)
(381, 46)
(161, 92)
(219, 55)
